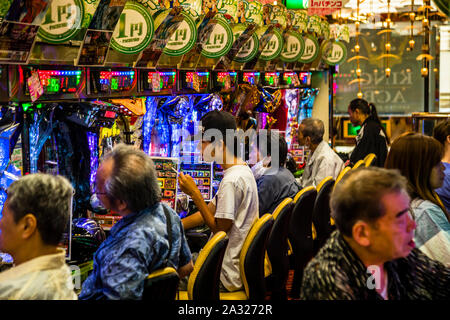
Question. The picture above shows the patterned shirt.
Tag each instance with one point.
(138, 245)
(336, 273)
(432, 233)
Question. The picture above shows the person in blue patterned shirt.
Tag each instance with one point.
(139, 243)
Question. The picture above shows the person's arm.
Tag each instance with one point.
(123, 277)
(430, 276)
(432, 234)
(368, 144)
(187, 185)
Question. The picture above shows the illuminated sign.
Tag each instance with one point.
(116, 80)
(59, 81)
(251, 77)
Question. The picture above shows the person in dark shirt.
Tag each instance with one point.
(442, 134)
(275, 183)
(372, 137)
(372, 255)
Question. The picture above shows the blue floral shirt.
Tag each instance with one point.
(138, 244)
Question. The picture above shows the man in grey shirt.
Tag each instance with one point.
(322, 161)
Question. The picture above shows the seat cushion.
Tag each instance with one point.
(235, 295)
(182, 295)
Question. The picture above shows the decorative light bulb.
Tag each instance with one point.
(412, 16)
(388, 47)
(357, 47)
(424, 72)
(411, 43)
(359, 95)
(358, 72)
(387, 72)
(425, 21)
(357, 23)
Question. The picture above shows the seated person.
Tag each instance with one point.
(235, 206)
(418, 157)
(140, 242)
(35, 216)
(275, 183)
(442, 134)
(371, 255)
(322, 161)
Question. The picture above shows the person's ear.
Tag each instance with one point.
(28, 225)
(121, 205)
(308, 141)
(361, 233)
(448, 139)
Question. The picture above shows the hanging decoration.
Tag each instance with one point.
(412, 17)
(425, 56)
(357, 48)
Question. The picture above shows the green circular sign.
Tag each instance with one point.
(311, 51)
(249, 50)
(294, 47)
(183, 39)
(134, 31)
(273, 47)
(333, 52)
(62, 21)
(220, 40)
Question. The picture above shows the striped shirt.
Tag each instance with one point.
(336, 273)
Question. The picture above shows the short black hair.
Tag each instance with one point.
(441, 131)
(272, 138)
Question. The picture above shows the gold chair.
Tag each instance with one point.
(358, 164)
(251, 262)
(277, 250)
(342, 174)
(161, 285)
(321, 214)
(203, 283)
(369, 159)
(300, 234)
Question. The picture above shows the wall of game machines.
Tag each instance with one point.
(83, 112)
(69, 92)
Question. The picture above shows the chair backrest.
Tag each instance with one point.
(252, 258)
(203, 283)
(300, 227)
(369, 159)
(277, 246)
(358, 164)
(321, 214)
(161, 285)
(342, 174)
